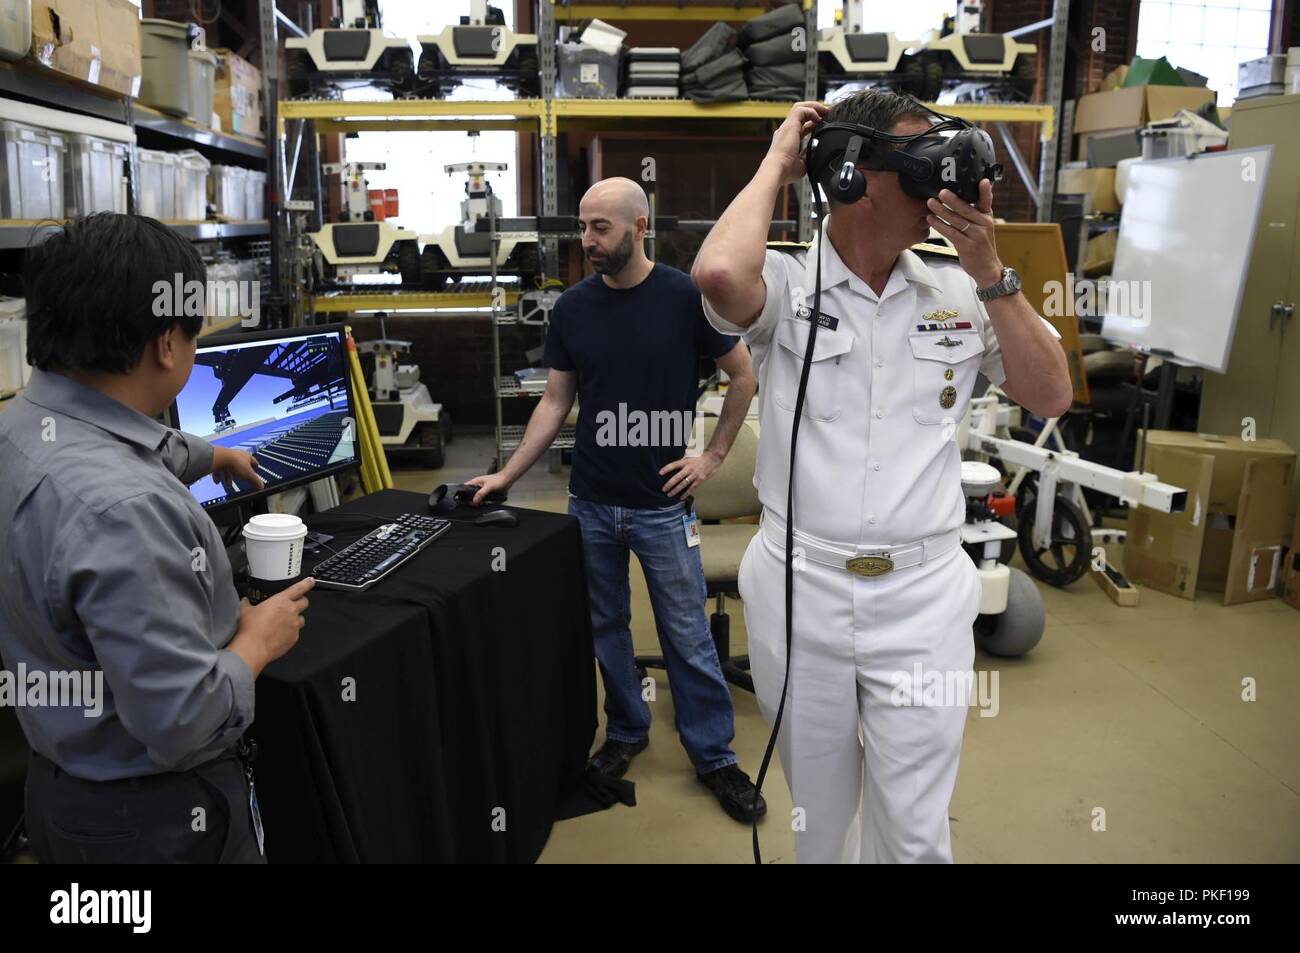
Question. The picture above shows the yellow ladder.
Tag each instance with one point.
(375, 474)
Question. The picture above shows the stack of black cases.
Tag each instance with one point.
(653, 72)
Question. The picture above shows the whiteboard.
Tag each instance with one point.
(1185, 238)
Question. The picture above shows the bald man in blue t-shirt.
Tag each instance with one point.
(627, 341)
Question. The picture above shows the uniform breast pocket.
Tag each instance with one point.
(944, 367)
(822, 401)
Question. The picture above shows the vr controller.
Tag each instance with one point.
(446, 497)
(926, 162)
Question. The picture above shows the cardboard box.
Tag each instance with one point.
(1099, 253)
(1230, 538)
(1120, 110)
(98, 42)
(1099, 183)
(238, 95)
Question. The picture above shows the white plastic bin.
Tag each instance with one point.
(14, 369)
(230, 191)
(156, 195)
(192, 186)
(96, 174)
(33, 171)
(203, 78)
(255, 194)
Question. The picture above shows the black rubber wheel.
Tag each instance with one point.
(408, 263)
(1024, 77)
(1065, 559)
(434, 268)
(431, 445)
(933, 80)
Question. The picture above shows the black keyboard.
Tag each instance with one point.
(360, 565)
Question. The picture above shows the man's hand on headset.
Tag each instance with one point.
(787, 141)
(969, 229)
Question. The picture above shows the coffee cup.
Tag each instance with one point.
(273, 543)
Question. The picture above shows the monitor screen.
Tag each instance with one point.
(280, 395)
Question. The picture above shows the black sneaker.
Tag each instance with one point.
(735, 792)
(614, 757)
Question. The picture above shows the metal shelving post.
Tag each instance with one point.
(1049, 150)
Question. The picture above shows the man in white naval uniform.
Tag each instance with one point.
(878, 474)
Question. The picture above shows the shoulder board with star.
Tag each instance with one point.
(935, 248)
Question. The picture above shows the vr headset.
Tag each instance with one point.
(951, 154)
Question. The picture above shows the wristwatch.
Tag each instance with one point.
(1009, 285)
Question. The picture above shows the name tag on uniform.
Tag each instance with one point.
(823, 319)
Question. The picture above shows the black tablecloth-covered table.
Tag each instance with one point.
(439, 715)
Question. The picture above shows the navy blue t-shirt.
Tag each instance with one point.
(636, 352)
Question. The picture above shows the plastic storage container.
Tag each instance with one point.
(14, 369)
(15, 29)
(586, 73)
(230, 191)
(203, 79)
(254, 195)
(96, 175)
(156, 195)
(191, 186)
(33, 171)
(165, 66)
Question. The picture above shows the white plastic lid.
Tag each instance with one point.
(274, 527)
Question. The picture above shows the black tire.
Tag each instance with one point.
(1065, 559)
(408, 263)
(1024, 77)
(434, 268)
(910, 76)
(1017, 630)
(933, 80)
(432, 454)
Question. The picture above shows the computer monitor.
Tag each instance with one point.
(282, 396)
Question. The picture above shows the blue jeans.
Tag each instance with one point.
(675, 577)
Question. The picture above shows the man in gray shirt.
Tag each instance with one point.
(113, 578)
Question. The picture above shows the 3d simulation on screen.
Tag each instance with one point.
(285, 402)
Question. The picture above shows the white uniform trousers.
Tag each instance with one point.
(870, 778)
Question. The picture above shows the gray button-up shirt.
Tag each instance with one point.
(108, 564)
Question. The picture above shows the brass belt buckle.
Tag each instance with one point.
(869, 565)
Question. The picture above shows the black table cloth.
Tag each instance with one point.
(439, 715)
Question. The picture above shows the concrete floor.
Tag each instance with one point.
(1137, 711)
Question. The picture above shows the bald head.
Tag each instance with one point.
(620, 200)
(613, 217)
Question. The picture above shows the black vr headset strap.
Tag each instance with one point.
(848, 167)
(813, 324)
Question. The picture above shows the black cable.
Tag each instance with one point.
(813, 323)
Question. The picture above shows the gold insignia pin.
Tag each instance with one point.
(948, 397)
(947, 375)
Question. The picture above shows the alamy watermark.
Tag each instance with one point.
(216, 299)
(650, 428)
(57, 689)
(945, 688)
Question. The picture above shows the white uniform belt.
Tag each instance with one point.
(861, 560)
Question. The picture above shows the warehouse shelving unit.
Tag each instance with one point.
(303, 119)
